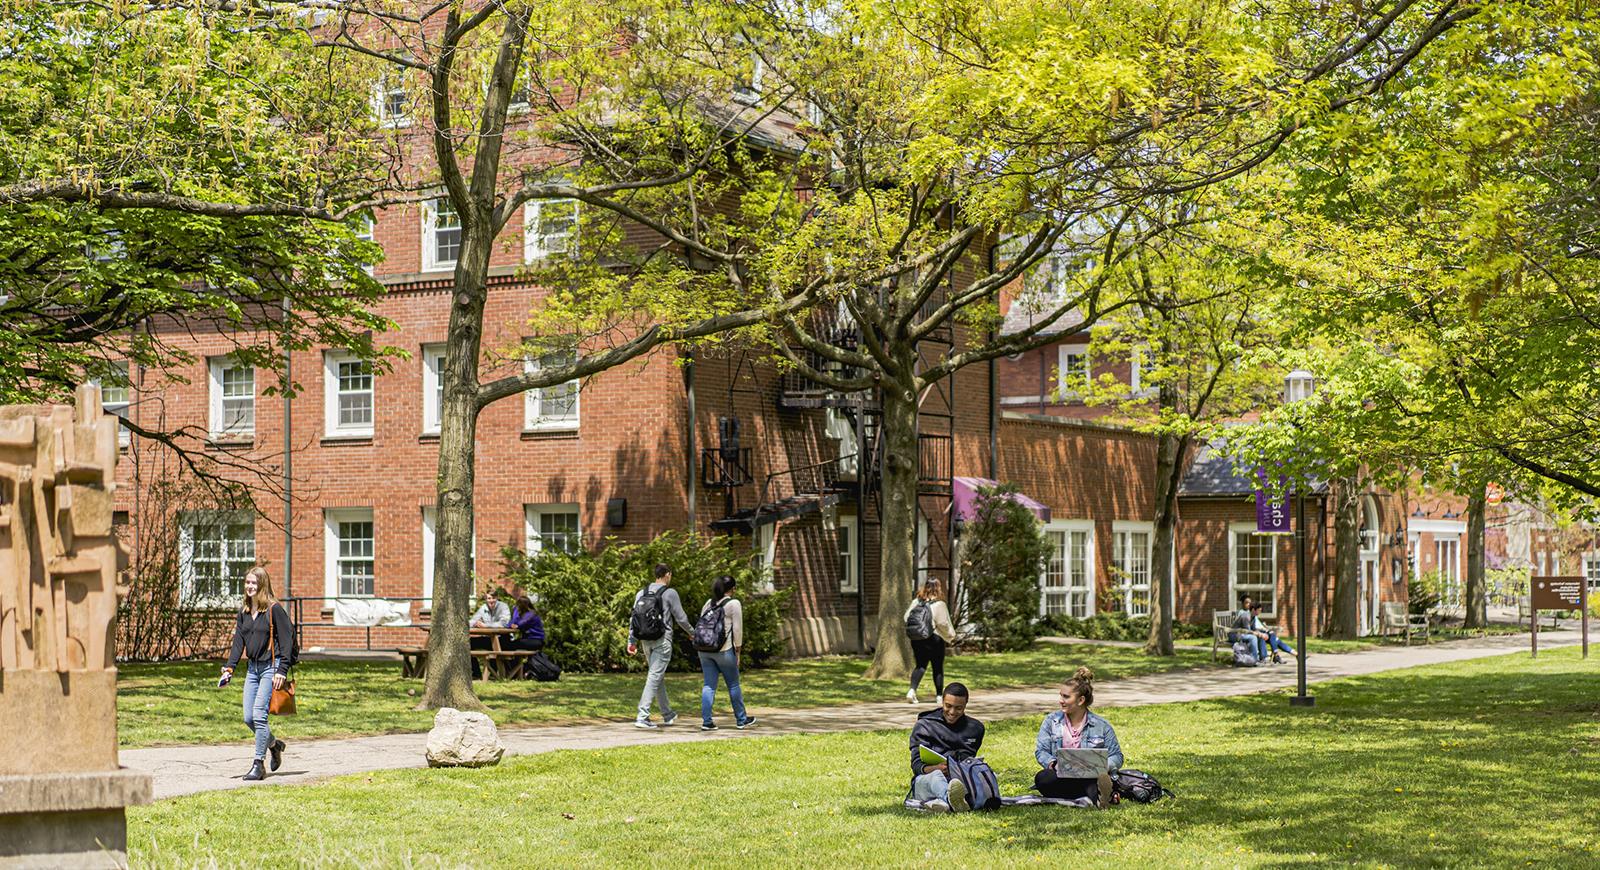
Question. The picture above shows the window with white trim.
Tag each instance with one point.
(553, 527)
(848, 532)
(1067, 584)
(554, 407)
(391, 104)
(351, 553)
(366, 231)
(1447, 558)
(550, 227)
(233, 398)
(347, 395)
(1131, 547)
(441, 235)
(764, 556)
(1591, 573)
(430, 526)
(1252, 567)
(432, 387)
(1073, 372)
(215, 549)
(114, 397)
(749, 92)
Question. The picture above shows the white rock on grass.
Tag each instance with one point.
(463, 739)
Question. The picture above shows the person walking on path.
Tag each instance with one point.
(930, 630)
(260, 636)
(655, 608)
(725, 660)
(1074, 727)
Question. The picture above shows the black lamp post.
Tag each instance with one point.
(1298, 386)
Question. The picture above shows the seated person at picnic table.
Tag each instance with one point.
(1263, 639)
(949, 731)
(491, 613)
(1074, 727)
(530, 628)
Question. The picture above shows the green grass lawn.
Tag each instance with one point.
(1490, 763)
(180, 703)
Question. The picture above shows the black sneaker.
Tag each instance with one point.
(747, 723)
(668, 720)
(709, 726)
(255, 772)
(277, 754)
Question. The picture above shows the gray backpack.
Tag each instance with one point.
(1244, 655)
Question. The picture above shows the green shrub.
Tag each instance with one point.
(585, 598)
(1003, 552)
(1426, 591)
(1114, 626)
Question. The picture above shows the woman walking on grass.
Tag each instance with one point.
(263, 636)
(724, 661)
(929, 628)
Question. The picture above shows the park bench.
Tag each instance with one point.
(413, 662)
(1393, 616)
(507, 664)
(1525, 611)
(1221, 627)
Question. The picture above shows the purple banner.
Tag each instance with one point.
(1272, 515)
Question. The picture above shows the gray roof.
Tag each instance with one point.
(1021, 316)
(1213, 474)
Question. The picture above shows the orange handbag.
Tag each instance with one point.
(282, 703)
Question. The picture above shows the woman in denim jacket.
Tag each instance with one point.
(1074, 727)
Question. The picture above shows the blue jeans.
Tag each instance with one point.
(257, 698)
(658, 653)
(930, 786)
(1276, 643)
(1258, 647)
(726, 664)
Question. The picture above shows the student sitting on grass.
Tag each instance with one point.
(950, 732)
(1074, 727)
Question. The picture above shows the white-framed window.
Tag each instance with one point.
(1073, 365)
(351, 553)
(1131, 548)
(347, 395)
(1447, 558)
(233, 398)
(215, 550)
(366, 231)
(551, 408)
(1252, 567)
(749, 92)
(849, 534)
(391, 104)
(553, 527)
(550, 227)
(1591, 573)
(1068, 583)
(114, 397)
(432, 387)
(441, 235)
(430, 526)
(764, 556)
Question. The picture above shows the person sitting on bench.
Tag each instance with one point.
(1264, 639)
(530, 628)
(950, 732)
(1074, 727)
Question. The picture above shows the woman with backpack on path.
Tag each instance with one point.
(721, 659)
(263, 635)
(930, 630)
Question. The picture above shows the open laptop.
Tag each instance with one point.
(1081, 763)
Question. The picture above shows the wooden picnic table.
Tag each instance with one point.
(496, 661)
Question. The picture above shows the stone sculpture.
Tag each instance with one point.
(62, 793)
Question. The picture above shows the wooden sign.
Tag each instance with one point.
(1557, 593)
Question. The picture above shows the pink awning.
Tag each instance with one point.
(966, 499)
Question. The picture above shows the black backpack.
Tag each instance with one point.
(1138, 786)
(649, 621)
(710, 632)
(919, 622)
(541, 668)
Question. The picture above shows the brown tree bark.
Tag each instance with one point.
(1477, 602)
(897, 567)
(1170, 450)
(1344, 620)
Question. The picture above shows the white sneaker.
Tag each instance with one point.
(668, 720)
(936, 805)
(958, 797)
(644, 723)
(911, 695)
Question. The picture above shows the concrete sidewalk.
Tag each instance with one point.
(181, 770)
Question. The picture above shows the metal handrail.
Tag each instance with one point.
(824, 481)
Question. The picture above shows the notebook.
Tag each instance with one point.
(1081, 763)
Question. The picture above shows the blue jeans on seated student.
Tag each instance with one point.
(726, 665)
(1276, 643)
(257, 700)
(930, 786)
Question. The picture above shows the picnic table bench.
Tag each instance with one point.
(495, 662)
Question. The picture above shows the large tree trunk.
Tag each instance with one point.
(1343, 622)
(1169, 465)
(1477, 589)
(449, 681)
(897, 573)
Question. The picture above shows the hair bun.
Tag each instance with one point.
(1083, 674)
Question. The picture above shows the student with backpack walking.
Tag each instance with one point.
(718, 636)
(264, 636)
(930, 630)
(655, 608)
